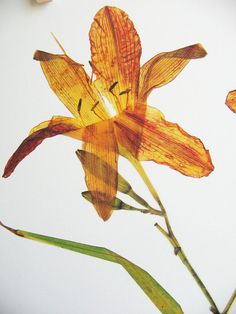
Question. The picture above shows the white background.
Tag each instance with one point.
(43, 194)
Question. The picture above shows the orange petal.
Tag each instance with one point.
(116, 51)
(45, 130)
(99, 161)
(231, 100)
(164, 67)
(163, 142)
(71, 84)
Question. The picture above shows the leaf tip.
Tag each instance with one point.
(8, 228)
(6, 173)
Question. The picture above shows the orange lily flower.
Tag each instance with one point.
(136, 130)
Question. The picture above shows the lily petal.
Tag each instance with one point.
(164, 67)
(72, 85)
(163, 142)
(47, 129)
(99, 160)
(116, 51)
(231, 100)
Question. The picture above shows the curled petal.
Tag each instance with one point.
(163, 142)
(164, 67)
(72, 85)
(116, 50)
(231, 100)
(99, 160)
(45, 130)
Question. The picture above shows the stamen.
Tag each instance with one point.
(112, 87)
(117, 99)
(79, 109)
(95, 105)
(57, 41)
(91, 79)
(79, 105)
(126, 91)
(95, 69)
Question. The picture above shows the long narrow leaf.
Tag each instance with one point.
(157, 294)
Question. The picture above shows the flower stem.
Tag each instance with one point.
(230, 303)
(172, 238)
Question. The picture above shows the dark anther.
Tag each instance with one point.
(91, 78)
(79, 105)
(112, 86)
(177, 250)
(125, 91)
(95, 105)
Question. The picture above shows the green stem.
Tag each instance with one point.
(120, 205)
(172, 238)
(230, 303)
(153, 191)
(138, 198)
(151, 211)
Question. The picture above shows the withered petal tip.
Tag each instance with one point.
(5, 175)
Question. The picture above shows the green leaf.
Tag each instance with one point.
(157, 294)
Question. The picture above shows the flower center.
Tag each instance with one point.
(109, 108)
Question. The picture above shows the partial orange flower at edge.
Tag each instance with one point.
(137, 128)
(231, 100)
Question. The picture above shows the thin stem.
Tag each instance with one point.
(59, 44)
(141, 201)
(152, 211)
(120, 205)
(166, 234)
(153, 191)
(172, 238)
(124, 206)
(230, 303)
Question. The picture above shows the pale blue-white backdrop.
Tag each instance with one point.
(43, 195)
